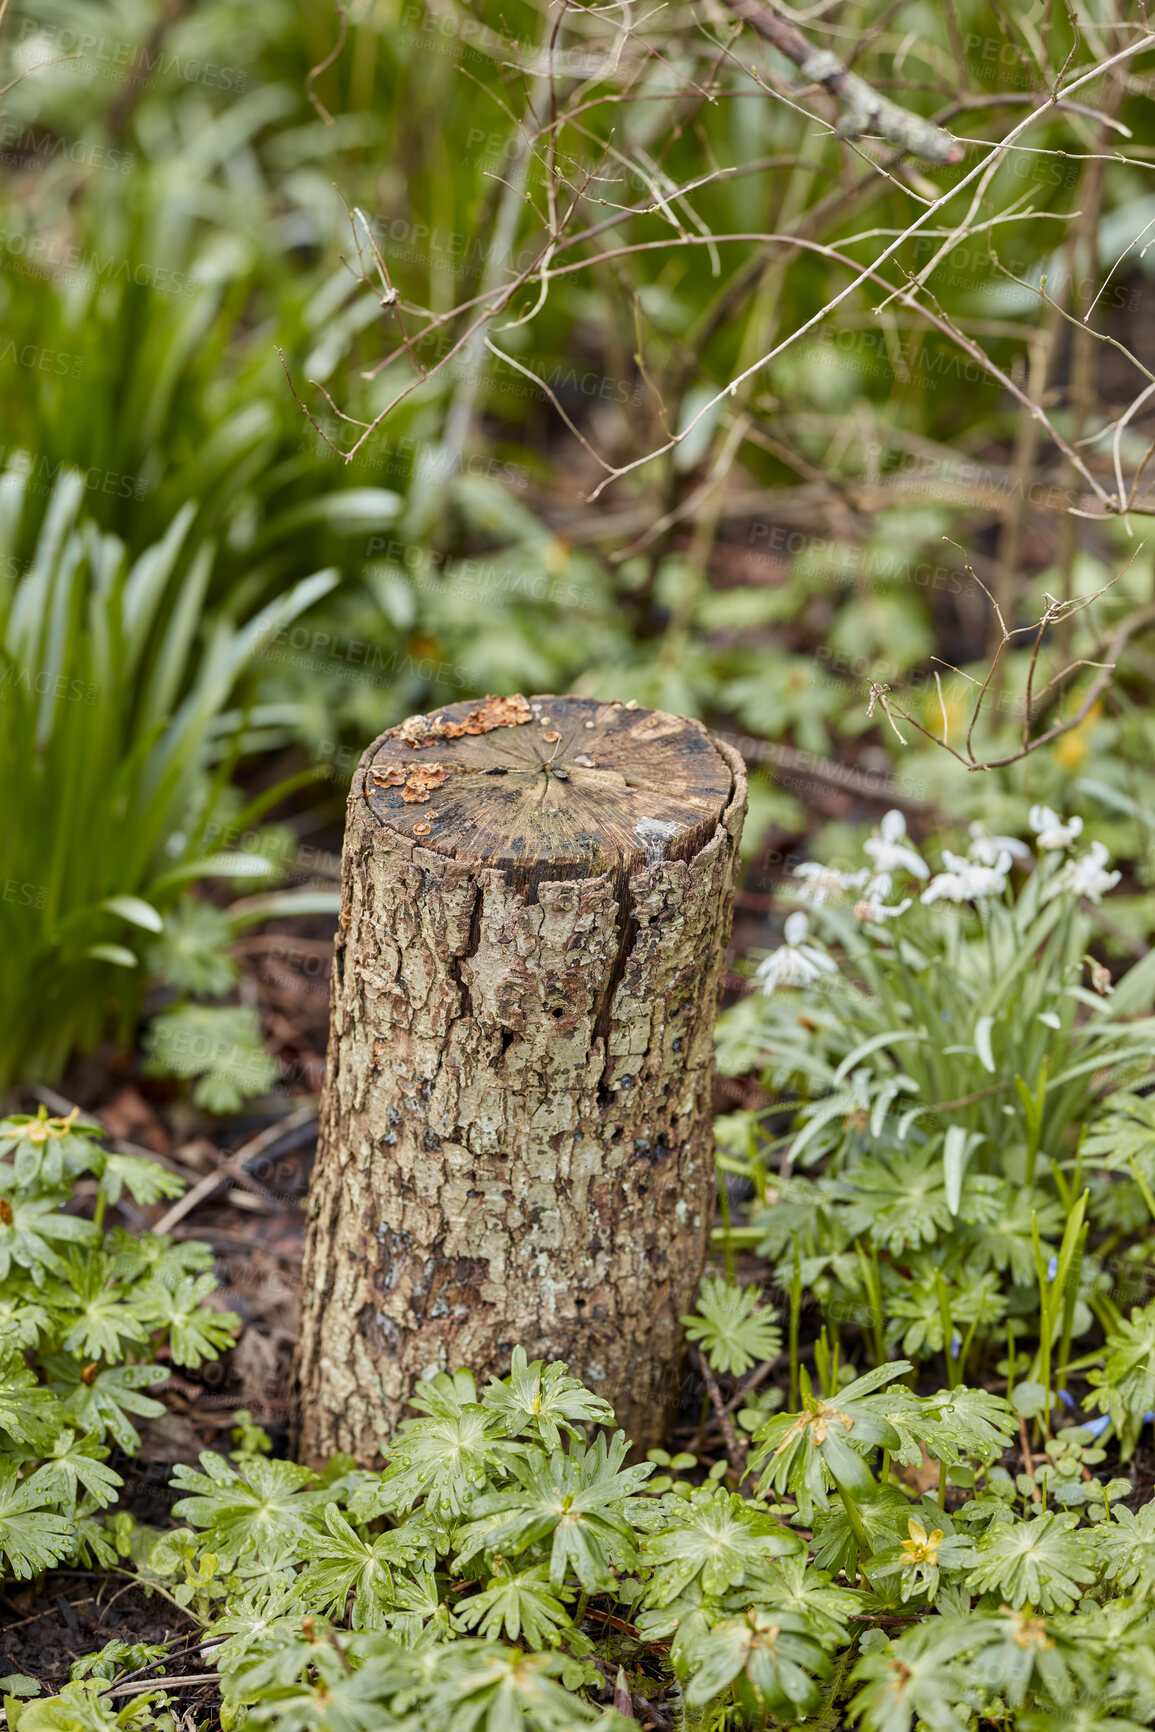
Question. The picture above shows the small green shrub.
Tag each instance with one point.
(483, 1576)
(479, 1578)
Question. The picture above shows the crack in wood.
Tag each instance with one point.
(519, 1080)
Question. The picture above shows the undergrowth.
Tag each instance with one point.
(926, 1513)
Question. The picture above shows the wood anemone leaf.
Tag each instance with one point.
(803, 1453)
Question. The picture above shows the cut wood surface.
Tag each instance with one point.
(558, 795)
(515, 1132)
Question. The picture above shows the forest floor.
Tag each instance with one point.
(248, 1177)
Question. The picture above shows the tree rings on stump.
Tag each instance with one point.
(545, 797)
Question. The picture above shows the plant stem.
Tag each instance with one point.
(795, 1314)
(855, 1521)
(1010, 1359)
(1144, 1187)
(727, 1226)
(952, 1368)
(1046, 1326)
(876, 1308)
(700, 1440)
(1070, 1300)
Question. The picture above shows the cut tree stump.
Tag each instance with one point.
(515, 1139)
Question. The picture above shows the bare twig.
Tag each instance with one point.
(1028, 1458)
(866, 110)
(178, 1681)
(1056, 611)
(181, 1654)
(233, 1167)
(878, 695)
(549, 97)
(333, 55)
(735, 1453)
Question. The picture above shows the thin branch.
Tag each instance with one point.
(735, 1454)
(1139, 621)
(1040, 289)
(863, 274)
(694, 500)
(986, 171)
(867, 112)
(315, 72)
(878, 695)
(1130, 628)
(942, 707)
(541, 127)
(233, 1167)
(547, 390)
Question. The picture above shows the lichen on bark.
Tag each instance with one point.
(515, 1143)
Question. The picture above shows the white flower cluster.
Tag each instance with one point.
(967, 880)
(890, 850)
(975, 877)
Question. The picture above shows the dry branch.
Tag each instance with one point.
(866, 111)
(1139, 620)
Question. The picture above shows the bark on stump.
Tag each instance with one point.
(515, 1133)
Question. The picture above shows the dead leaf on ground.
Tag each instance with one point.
(130, 1119)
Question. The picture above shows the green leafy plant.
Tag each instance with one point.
(486, 1572)
(84, 1313)
(1125, 1385)
(115, 750)
(734, 1330)
(956, 1164)
(482, 1593)
(948, 1151)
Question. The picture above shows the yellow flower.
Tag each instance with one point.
(557, 556)
(38, 1130)
(1030, 1632)
(921, 1547)
(1071, 749)
(818, 1419)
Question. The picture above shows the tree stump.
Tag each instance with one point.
(515, 1139)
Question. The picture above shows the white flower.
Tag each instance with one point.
(967, 880)
(888, 851)
(1050, 828)
(986, 849)
(795, 963)
(1085, 876)
(872, 910)
(825, 884)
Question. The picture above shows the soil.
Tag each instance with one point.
(76, 1612)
